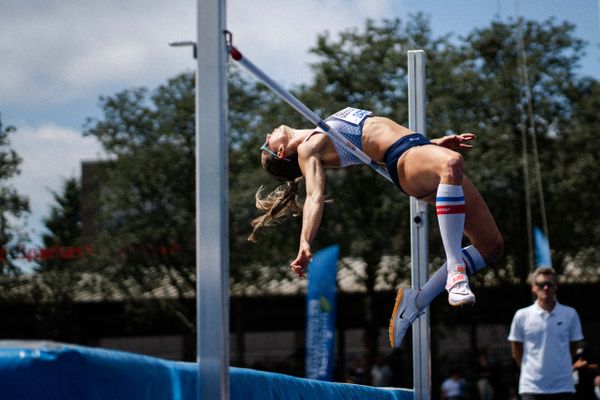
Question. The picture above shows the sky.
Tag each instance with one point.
(59, 57)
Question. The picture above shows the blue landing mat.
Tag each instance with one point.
(53, 371)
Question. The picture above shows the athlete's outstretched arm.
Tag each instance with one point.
(455, 142)
(312, 212)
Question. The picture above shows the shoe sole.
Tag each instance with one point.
(399, 297)
(462, 303)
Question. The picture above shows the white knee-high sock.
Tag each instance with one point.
(450, 209)
(436, 284)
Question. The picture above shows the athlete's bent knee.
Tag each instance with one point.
(452, 167)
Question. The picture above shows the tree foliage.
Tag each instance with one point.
(146, 228)
(551, 56)
(13, 206)
(64, 227)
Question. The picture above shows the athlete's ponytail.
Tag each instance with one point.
(278, 204)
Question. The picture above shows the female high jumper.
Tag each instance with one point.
(430, 170)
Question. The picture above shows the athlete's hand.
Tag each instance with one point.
(301, 262)
(456, 142)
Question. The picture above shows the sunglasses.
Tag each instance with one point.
(541, 285)
(265, 147)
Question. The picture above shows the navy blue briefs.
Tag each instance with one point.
(397, 149)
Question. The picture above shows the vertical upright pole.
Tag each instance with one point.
(418, 230)
(212, 252)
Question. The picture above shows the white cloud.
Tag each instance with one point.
(57, 51)
(51, 154)
(276, 35)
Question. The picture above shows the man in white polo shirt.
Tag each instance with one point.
(544, 338)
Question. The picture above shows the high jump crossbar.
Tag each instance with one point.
(305, 111)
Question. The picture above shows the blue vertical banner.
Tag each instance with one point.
(320, 314)
(542, 249)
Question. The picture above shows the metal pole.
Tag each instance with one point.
(212, 252)
(418, 230)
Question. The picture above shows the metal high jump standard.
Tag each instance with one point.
(419, 231)
(212, 236)
(212, 259)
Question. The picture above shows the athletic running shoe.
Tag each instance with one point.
(457, 285)
(404, 314)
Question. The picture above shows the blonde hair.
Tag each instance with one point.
(276, 206)
(546, 271)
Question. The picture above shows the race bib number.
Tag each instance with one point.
(352, 115)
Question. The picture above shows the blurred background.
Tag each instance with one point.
(97, 204)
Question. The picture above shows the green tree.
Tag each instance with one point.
(574, 220)
(563, 126)
(61, 265)
(62, 242)
(12, 205)
(146, 234)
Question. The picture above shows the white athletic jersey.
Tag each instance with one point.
(546, 366)
(348, 123)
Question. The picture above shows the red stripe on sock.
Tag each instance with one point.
(450, 209)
